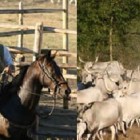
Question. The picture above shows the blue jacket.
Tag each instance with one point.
(5, 57)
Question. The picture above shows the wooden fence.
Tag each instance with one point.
(39, 30)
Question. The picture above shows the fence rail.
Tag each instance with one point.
(29, 11)
(26, 29)
(60, 52)
(64, 66)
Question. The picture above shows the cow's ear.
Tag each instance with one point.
(85, 108)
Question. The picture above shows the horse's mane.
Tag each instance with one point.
(13, 87)
(18, 79)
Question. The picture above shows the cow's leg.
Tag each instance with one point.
(116, 133)
(138, 122)
(113, 132)
(81, 127)
(88, 136)
(131, 123)
(100, 135)
(94, 135)
(123, 124)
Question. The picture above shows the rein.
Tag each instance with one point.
(36, 94)
(23, 126)
(47, 73)
(54, 80)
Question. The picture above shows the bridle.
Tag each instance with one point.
(57, 84)
(47, 73)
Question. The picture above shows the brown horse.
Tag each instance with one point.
(21, 96)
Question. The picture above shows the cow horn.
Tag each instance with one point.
(82, 61)
(110, 77)
(96, 59)
(106, 86)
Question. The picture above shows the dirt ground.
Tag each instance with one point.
(132, 134)
(61, 125)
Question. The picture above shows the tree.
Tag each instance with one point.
(102, 23)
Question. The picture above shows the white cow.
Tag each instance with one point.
(103, 85)
(100, 115)
(108, 83)
(87, 77)
(90, 94)
(133, 74)
(130, 87)
(92, 70)
(131, 83)
(112, 67)
(130, 105)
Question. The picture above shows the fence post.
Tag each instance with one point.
(38, 39)
(65, 26)
(65, 42)
(37, 127)
(20, 37)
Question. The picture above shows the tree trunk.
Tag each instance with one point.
(110, 38)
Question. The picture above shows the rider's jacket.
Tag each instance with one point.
(5, 58)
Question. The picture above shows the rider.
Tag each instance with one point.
(6, 62)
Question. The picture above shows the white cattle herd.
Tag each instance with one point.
(107, 98)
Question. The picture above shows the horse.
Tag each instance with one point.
(20, 97)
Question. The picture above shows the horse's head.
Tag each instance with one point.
(51, 76)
